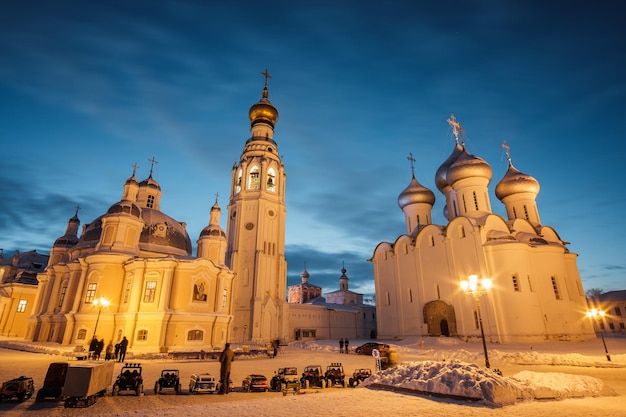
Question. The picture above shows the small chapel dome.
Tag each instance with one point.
(415, 193)
(441, 180)
(69, 239)
(263, 111)
(515, 182)
(150, 183)
(468, 166)
(212, 230)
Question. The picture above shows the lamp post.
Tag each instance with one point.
(595, 314)
(473, 287)
(100, 302)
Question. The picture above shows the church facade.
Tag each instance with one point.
(131, 273)
(536, 291)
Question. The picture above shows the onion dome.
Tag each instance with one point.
(305, 276)
(415, 193)
(441, 180)
(468, 166)
(515, 182)
(263, 111)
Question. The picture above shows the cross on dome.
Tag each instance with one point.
(410, 158)
(457, 130)
(266, 75)
(152, 162)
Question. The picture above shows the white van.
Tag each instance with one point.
(200, 383)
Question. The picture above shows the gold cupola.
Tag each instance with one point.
(263, 111)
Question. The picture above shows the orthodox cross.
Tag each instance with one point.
(410, 158)
(507, 148)
(152, 162)
(266, 75)
(77, 208)
(217, 195)
(135, 166)
(457, 130)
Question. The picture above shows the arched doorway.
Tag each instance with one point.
(440, 318)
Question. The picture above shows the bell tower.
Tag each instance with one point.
(256, 231)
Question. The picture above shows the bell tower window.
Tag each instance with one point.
(271, 180)
(253, 182)
(238, 183)
(150, 202)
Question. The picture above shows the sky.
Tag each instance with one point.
(559, 379)
(87, 89)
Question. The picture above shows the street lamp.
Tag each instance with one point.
(100, 302)
(595, 314)
(473, 287)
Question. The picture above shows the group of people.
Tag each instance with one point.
(112, 353)
(343, 345)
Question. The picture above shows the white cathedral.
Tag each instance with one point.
(536, 291)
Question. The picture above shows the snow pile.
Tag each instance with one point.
(461, 380)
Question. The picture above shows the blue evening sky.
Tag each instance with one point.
(87, 88)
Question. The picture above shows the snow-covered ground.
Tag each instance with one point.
(552, 378)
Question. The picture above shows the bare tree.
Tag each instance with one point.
(593, 295)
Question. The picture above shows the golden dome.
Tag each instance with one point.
(468, 166)
(441, 180)
(515, 182)
(415, 193)
(263, 111)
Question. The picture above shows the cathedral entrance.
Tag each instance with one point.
(440, 318)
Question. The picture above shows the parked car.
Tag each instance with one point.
(290, 380)
(170, 379)
(129, 379)
(313, 376)
(367, 348)
(359, 375)
(202, 383)
(20, 388)
(334, 375)
(255, 382)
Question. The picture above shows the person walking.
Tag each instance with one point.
(346, 343)
(341, 345)
(123, 347)
(98, 350)
(226, 358)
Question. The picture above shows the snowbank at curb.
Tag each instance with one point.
(460, 380)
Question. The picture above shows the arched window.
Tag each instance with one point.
(82, 334)
(238, 182)
(271, 180)
(253, 181)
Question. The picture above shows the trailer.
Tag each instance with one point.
(85, 383)
(53, 383)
